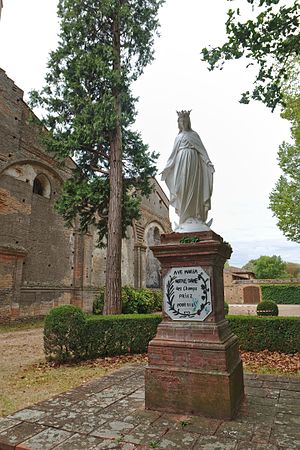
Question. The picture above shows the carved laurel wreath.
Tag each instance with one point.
(170, 293)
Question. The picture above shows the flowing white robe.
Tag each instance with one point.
(189, 177)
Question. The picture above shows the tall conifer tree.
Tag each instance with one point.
(104, 46)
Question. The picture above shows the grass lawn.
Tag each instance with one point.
(37, 382)
(21, 326)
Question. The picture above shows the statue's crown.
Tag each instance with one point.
(183, 113)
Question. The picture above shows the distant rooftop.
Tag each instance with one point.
(238, 270)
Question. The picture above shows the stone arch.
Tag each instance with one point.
(150, 225)
(13, 168)
(153, 270)
(42, 186)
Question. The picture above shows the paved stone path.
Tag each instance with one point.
(250, 310)
(108, 413)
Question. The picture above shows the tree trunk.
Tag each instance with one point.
(112, 304)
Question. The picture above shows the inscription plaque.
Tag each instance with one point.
(187, 294)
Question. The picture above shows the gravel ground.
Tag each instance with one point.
(26, 378)
(19, 349)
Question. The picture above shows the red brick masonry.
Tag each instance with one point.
(195, 367)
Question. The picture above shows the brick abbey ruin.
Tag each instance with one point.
(43, 263)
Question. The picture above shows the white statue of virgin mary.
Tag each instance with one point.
(189, 177)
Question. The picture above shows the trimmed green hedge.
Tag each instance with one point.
(90, 337)
(277, 334)
(282, 294)
(96, 335)
(118, 335)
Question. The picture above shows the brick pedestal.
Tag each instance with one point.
(195, 366)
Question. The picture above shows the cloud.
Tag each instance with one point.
(243, 251)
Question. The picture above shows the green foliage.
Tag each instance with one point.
(267, 267)
(270, 41)
(158, 299)
(250, 265)
(282, 294)
(285, 197)
(226, 308)
(293, 269)
(228, 245)
(138, 301)
(185, 423)
(64, 333)
(69, 335)
(117, 335)
(277, 334)
(98, 302)
(97, 336)
(86, 74)
(267, 308)
(189, 240)
(134, 301)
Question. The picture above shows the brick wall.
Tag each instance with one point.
(43, 263)
(249, 291)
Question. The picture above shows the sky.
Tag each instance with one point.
(242, 140)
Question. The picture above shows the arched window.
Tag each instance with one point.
(41, 186)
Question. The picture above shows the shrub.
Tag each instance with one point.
(130, 300)
(276, 334)
(157, 299)
(285, 294)
(63, 333)
(134, 301)
(117, 335)
(98, 302)
(267, 308)
(139, 301)
(226, 308)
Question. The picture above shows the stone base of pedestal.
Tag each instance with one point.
(194, 362)
(194, 378)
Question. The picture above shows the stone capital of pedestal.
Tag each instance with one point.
(210, 249)
(209, 235)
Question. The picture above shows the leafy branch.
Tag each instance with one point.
(270, 40)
